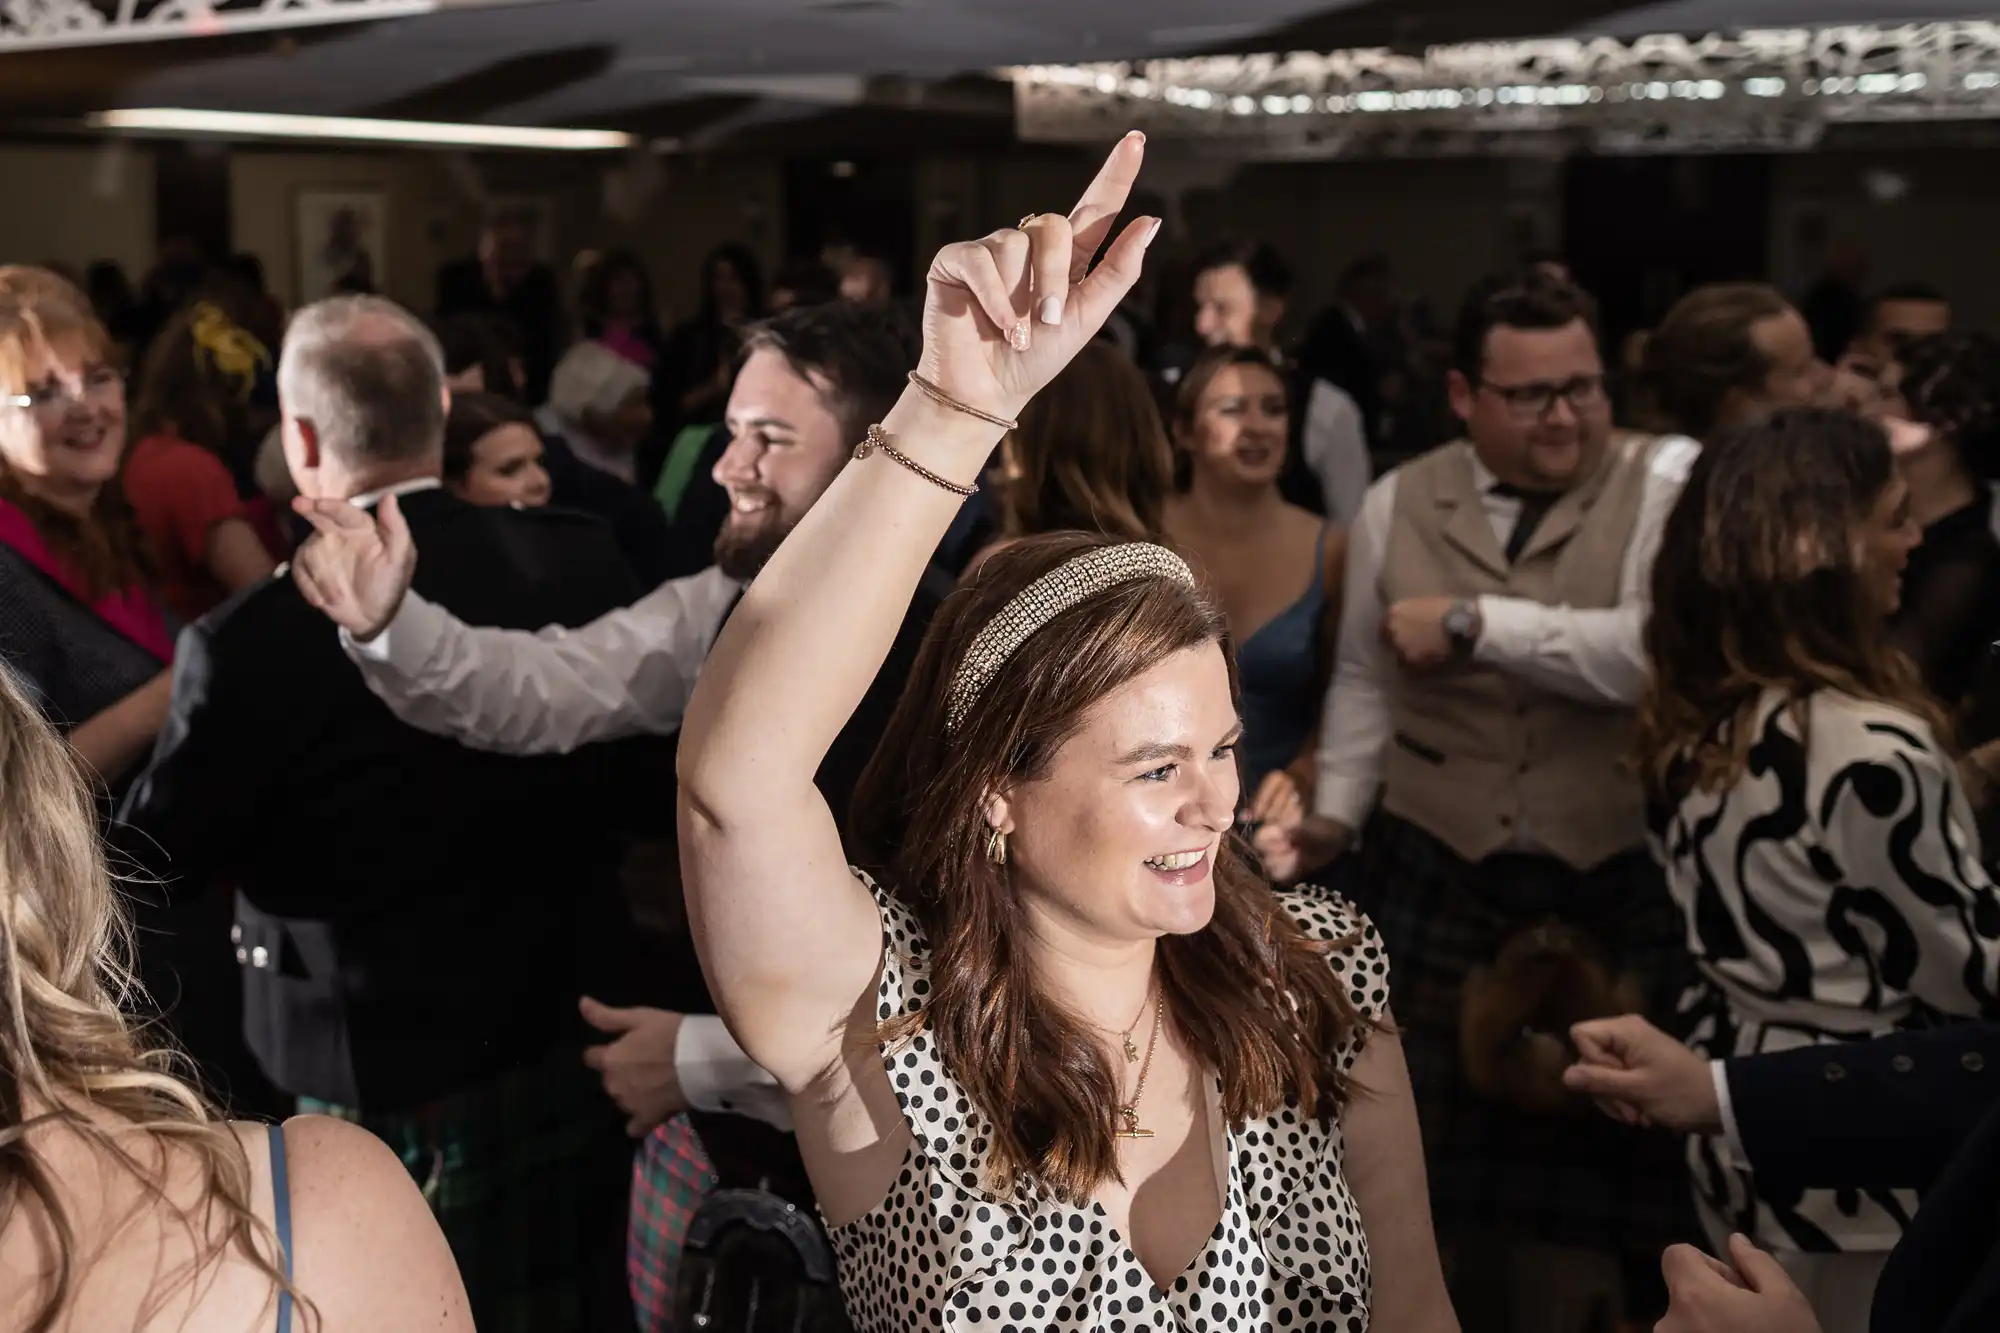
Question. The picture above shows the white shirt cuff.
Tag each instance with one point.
(1343, 797)
(1727, 1112)
(1508, 630)
(407, 642)
(715, 1074)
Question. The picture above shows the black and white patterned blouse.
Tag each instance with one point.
(1833, 893)
(941, 1252)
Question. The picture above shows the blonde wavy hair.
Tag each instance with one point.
(69, 1059)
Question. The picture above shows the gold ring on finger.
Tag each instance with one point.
(1022, 225)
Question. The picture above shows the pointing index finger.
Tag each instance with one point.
(1101, 203)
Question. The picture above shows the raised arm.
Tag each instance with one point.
(627, 673)
(790, 942)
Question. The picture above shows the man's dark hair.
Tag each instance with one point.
(864, 354)
(490, 342)
(1268, 273)
(1534, 301)
(369, 376)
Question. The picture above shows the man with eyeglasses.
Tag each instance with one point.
(1489, 661)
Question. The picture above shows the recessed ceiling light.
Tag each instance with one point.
(353, 129)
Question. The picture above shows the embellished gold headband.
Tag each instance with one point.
(1068, 585)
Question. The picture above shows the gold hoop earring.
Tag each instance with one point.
(996, 847)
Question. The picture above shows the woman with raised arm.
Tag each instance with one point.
(1070, 1064)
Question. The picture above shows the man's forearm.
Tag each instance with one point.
(628, 673)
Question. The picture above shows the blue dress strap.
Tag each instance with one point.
(281, 1218)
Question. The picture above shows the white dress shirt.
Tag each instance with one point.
(1335, 447)
(1596, 655)
(630, 672)
(715, 1074)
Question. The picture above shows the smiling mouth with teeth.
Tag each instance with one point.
(1177, 860)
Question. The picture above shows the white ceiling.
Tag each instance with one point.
(806, 54)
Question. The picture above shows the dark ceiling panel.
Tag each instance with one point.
(1408, 26)
(67, 81)
(475, 95)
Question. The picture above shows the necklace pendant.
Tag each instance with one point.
(1131, 1051)
(1132, 1130)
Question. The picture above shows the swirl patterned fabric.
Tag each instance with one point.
(1834, 893)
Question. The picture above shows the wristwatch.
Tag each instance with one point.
(1461, 626)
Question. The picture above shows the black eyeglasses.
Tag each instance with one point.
(1536, 399)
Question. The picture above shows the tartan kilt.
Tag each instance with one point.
(1577, 1179)
(528, 1175)
(670, 1178)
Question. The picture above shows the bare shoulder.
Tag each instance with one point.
(366, 1249)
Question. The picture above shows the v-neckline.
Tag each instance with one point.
(1222, 1171)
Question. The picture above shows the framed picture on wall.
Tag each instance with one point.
(339, 232)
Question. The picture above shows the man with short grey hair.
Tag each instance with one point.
(410, 914)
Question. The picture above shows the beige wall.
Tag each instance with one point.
(431, 214)
(73, 205)
(1445, 224)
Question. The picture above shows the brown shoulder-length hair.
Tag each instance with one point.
(42, 313)
(1757, 587)
(1250, 994)
(1090, 454)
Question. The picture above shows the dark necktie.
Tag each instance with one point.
(1535, 506)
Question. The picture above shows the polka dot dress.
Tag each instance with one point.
(942, 1252)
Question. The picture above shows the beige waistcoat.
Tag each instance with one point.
(1476, 751)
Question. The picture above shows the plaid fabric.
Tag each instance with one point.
(670, 1177)
(527, 1176)
(1577, 1179)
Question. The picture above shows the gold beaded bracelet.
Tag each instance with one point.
(877, 441)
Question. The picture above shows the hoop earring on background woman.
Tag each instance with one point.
(996, 847)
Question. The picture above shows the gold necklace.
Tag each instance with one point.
(1130, 1110)
(1132, 1051)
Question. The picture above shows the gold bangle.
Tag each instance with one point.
(877, 441)
(944, 399)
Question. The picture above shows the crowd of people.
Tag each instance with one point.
(534, 818)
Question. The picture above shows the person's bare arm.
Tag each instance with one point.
(120, 736)
(791, 942)
(236, 557)
(1384, 1166)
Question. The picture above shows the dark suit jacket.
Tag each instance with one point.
(636, 519)
(1918, 1110)
(408, 909)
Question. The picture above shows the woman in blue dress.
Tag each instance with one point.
(1274, 567)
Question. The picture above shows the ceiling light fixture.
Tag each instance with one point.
(352, 129)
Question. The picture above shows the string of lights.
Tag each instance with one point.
(1776, 89)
